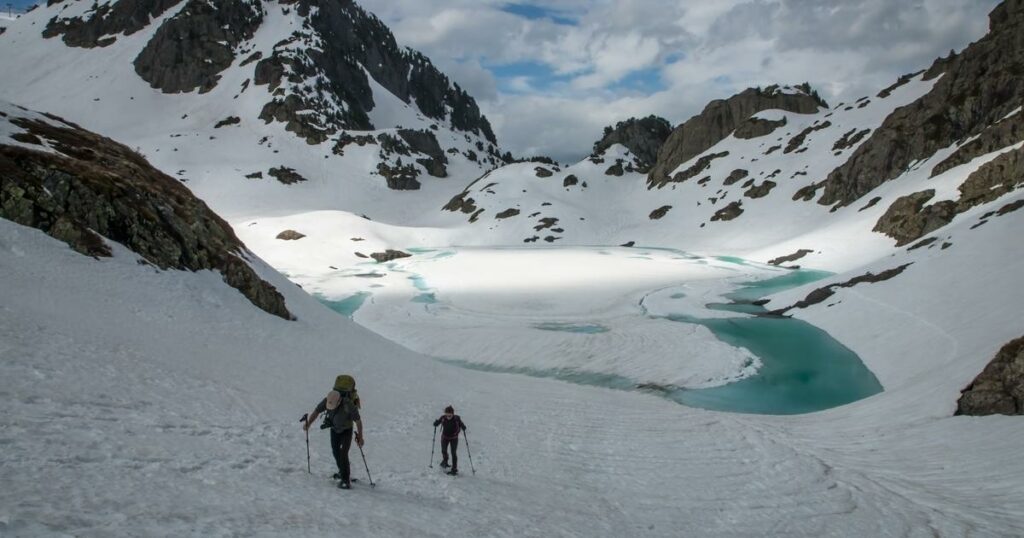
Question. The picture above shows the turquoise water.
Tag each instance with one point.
(571, 328)
(347, 306)
(420, 283)
(752, 291)
(425, 298)
(803, 369)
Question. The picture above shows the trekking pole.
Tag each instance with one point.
(372, 485)
(433, 443)
(468, 451)
(303, 421)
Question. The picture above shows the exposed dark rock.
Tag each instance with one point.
(531, 239)
(1005, 133)
(344, 139)
(899, 82)
(798, 140)
(614, 170)
(476, 216)
(570, 180)
(97, 187)
(728, 212)
(1010, 207)
(230, 120)
(461, 202)
(790, 257)
(850, 139)
(978, 87)
(772, 149)
(425, 142)
(820, 294)
(255, 175)
(807, 193)
(545, 222)
(643, 137)
(999, 388)
(510, 212)
(542, 172)
(399, 177)
(719, 119)
(909, 219)
(735, 176)
(660, 212)
(361, 255)
(389, 255)
(992, 180)
(286, 175)
(551, 238)
(757, 127)
(871, 203)
(339, 45)
(290, 235)
(760, 191)
(256, 56)
(98, 27)
(922, 243)
(628, 244)
(701, 165)
(190, 49)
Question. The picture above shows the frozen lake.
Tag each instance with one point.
(672, 323)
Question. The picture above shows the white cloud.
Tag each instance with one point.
(702, 51)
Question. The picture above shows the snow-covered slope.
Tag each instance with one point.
(307, 86)
(164, 403)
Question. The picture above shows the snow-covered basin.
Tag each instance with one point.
(627, 318)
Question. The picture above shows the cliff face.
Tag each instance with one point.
(83, 189)
(975, 90)
(719, 119)
(643, 137)
(999, 389)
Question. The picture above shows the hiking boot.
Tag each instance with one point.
(336, 476)
(453, 472)
(444, 465)
(344, 484)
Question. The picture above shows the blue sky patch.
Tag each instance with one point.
(535, 12)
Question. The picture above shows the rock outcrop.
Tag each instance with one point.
(999, 389)
(908, 218)
(643, 137)
(388, 255)
(977, 88)
(323, 70)
(720, 118)
(100, 26)
(93, 189)
(190, 49)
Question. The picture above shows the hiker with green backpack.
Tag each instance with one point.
(341, 406)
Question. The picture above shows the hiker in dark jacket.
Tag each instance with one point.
(451, 424)
(342, 414)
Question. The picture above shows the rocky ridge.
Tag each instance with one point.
(85, 189)
(721, 117)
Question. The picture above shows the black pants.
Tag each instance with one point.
(340, 443)
(454, 443)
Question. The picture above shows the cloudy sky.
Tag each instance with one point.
(550, 75)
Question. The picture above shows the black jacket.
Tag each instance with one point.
(450, 427)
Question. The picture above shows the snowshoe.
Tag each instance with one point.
(344, 485)
(453, 472)
(444, 465)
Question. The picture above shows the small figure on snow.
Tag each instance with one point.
(451, 424)
(342, 408)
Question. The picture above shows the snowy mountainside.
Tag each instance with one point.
(289, 106)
